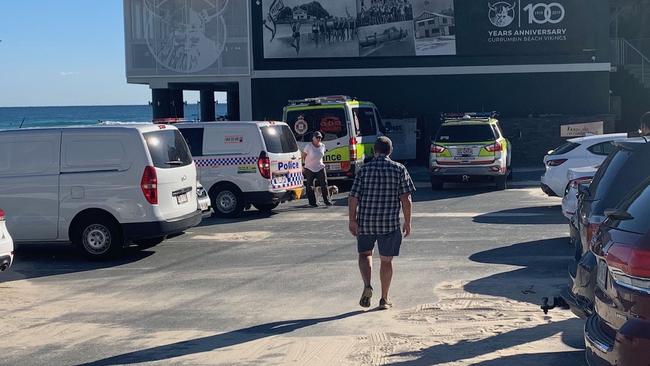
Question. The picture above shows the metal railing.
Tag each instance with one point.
(625, 53)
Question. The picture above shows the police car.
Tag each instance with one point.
(349, 126)
(469, 146)
(243, 164)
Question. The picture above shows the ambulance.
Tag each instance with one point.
(349, 126)
(244, 164)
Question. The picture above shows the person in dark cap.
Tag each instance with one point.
(381, 189)
(644, 129)
(313, 155)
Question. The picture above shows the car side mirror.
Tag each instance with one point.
(618, 215)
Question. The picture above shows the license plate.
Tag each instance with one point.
(335, 166)
(602, 274)
(465, 152)
(203, 206)
(281, 180)
(181, 199)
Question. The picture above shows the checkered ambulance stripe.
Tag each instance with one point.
(203, 163)
(293, 180)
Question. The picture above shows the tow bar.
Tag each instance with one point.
(558, 302)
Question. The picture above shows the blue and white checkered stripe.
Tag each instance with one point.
(214, 162)
(294, 179)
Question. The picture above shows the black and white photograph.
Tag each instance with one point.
(391, 39)
(376, 12)
(308, 29)
(435, 27)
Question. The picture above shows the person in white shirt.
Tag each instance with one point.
(315, 169)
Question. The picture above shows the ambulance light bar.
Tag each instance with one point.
(470, 115)
(323, 99)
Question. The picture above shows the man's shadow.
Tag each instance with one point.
(217, 341)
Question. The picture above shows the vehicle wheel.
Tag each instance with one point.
(502, 182)
(227, 201)
(266, 207)
(437, 184)
(99, 238)
(149, 243)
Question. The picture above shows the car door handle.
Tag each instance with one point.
(294, 158)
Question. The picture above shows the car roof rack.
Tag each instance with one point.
(323, 100)
(469, 116)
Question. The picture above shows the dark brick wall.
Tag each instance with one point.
(533, 137)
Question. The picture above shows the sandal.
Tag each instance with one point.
(365, 297)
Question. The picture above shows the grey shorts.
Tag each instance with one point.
(388, 244)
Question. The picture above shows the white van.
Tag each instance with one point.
(349, 126)
(245, 163)
(100, 187)
(6, 245)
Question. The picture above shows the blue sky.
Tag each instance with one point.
(65, 52)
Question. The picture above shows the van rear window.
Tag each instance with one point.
(365, 121)
(465, 133)
(331, 122)
(279, 139)
(168, 149)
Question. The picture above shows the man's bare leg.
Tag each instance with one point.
(386, 275)
(365, 267)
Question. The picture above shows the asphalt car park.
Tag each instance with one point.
(283, 288)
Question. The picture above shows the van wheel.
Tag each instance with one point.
(502, 182)
(99, 238)
(437, 184)
(266, 207)
(227, 201)
(149, 243)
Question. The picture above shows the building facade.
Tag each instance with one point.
(522, 58)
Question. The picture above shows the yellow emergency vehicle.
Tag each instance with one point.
(469, 147)
(349, 126)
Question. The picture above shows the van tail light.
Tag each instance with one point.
(353, 149)
(437, 149)
(2, 215)
(629, 266)
(264, 165)
(495, 147)
(556, 162)
(149, 185)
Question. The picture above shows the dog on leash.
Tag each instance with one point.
(332, 190)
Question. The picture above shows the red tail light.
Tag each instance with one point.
(353, 149)
(576, 182)
(264, 165)
(495, 147)
(556, 162)
(149, 185)
(2, 215)
(629, 266)
(437, 149)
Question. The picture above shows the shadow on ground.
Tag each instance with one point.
(42, 260)
(545, 263)
(538, 215)
(215, 342)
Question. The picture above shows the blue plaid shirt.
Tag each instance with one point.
(378, 187)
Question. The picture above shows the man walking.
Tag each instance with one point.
(315, 169)
(380, 189)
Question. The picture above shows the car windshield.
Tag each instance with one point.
(168, 149)
(331, 122)
(465, 133)
(565, 148)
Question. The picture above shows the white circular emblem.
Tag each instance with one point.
(185, 36)
(501, 14)
(301, 127)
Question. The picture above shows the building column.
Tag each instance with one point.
(167, 103)
(207, 106)
(233, 102)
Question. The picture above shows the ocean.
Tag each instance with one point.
(12, 117)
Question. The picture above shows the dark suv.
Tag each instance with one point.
(619, 331)
(620, 174)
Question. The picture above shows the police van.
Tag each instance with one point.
(468, 147)
(349, 126)
(243, 164)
